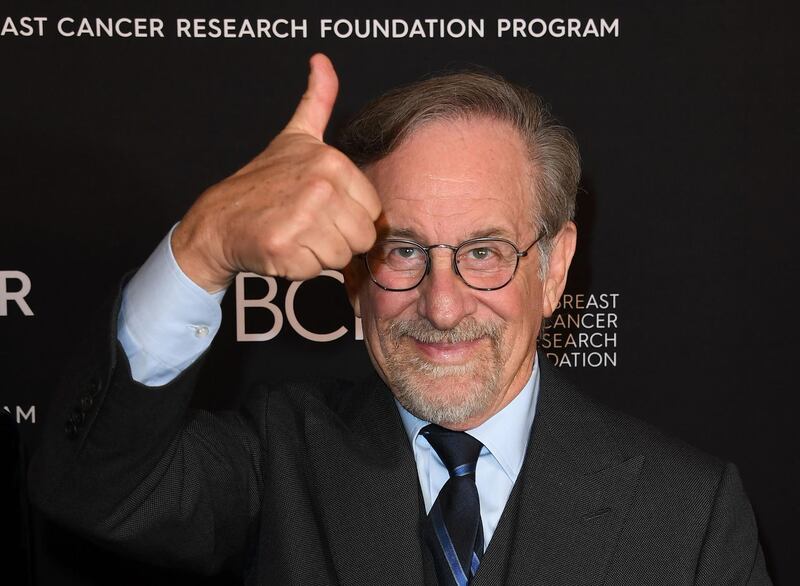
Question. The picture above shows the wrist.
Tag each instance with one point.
(190, 252)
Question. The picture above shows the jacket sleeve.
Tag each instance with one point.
(133, 467)
(731, 553)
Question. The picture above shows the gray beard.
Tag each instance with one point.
(423, 388)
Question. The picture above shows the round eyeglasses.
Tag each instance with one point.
(486, 264)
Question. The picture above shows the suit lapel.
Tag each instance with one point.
(569, 504)
(367, 491)
(561, 523)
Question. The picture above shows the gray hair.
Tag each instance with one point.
(383, 124)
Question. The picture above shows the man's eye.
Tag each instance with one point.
(404, 252)
(482, 253)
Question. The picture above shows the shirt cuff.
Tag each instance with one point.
(166, 320)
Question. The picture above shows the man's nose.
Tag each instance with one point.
(444, 299)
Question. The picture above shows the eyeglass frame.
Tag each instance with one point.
(454, 265)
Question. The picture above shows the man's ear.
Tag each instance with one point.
(354, 276)
(560, 259)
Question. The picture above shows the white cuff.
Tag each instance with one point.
(166, 320)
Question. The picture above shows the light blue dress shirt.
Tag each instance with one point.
(505, 439)
(166, 322)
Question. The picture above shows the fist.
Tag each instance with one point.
(297, 208)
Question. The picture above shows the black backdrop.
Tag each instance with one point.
(686, 113)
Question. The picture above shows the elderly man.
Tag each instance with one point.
(468, 459)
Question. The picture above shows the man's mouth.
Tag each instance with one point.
(448, 352)
(458, 346)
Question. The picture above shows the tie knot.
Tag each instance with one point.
(458, 450)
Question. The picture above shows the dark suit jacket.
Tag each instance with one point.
(315, 484)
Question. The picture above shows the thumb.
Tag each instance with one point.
(315, 107)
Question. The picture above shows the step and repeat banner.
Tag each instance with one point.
(680, 307)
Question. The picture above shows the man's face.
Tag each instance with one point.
(451, 354)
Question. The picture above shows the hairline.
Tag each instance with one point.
(544, 245)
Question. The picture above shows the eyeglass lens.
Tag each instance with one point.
(400, 265)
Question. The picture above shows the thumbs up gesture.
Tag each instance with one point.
(297, 208)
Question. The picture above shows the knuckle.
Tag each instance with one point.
(374, 208)
(318, 192)
(364, 238)
(302, 271)
(275, 243)
(341, 261)
(340, 257)
(333, 161)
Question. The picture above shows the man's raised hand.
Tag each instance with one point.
(297, 208)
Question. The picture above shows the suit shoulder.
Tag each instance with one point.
(631, 436)
(321, 395)
(636, 436)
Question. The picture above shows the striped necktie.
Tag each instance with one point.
(455, 532)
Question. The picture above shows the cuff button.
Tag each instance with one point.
(94, 386)
(86, 403)
(70, 429)
(200, 331)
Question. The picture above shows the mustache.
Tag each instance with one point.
(424, 331)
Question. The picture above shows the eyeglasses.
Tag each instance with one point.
(486, 264)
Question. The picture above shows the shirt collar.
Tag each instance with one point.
(505, 434)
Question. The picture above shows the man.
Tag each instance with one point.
(451, 215)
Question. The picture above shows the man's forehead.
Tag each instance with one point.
(456, 154)
(412, 232)
(466, 178)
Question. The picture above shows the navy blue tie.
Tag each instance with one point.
(456, 534)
